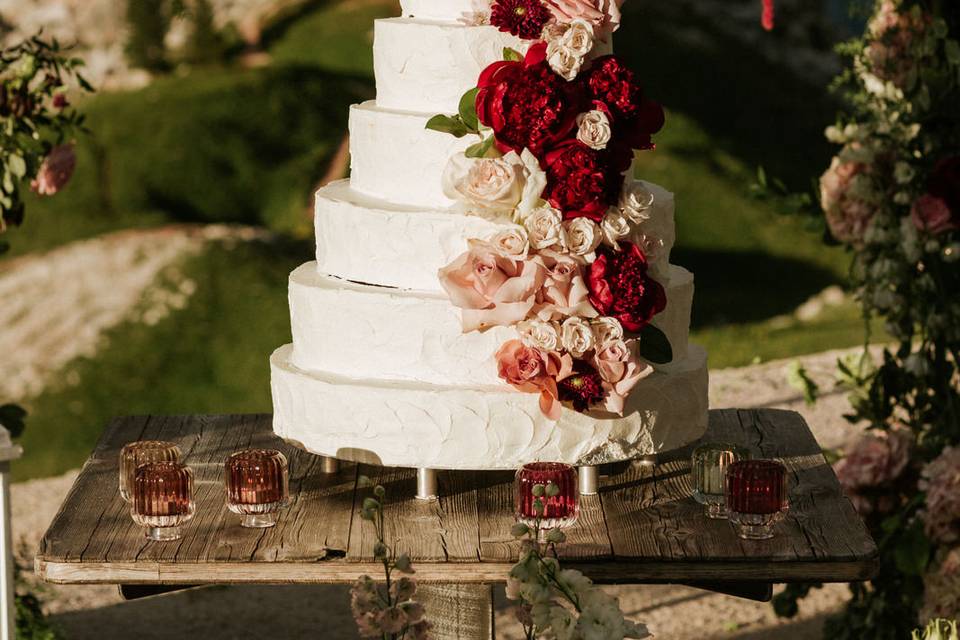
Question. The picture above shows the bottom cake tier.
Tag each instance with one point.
(408, 424)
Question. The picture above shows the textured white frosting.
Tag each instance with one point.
(452, 10)
(363, 331)
(428, 66)
(410, 424)
(372, 241)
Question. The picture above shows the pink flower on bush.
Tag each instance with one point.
(55, 171)
(941, 592)
(848, 214)
(892, 34)
(877, 459)
(618, 363)
(941, 481)
(604, 15)
(535, 371)
(938, 210)
(931, 214)
(564, 293)
(491, 288)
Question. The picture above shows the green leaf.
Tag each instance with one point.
(480, 149)
(654, 345)
(952, 50)
(448, 124)
(17, 165)
(468, 110)
(512, 55)
(12, 417)
(912, 551)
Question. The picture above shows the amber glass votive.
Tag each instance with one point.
(756, 496)
(559, 510)
(709, 467)
(163, 499)
(257, 486)
(141, 452)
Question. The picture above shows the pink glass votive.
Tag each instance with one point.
(560, 510)
(756, 496)
(257, 486)
(163, 499)
(141, 452)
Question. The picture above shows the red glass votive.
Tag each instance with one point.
(756, 497)
(163, 499)
(257, 485)
(560, 510)
(141, 452)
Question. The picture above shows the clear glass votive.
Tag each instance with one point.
(163, 499)
(257, 486)
(141, 452)
(560, 510)
(709, 468)
(756, 495)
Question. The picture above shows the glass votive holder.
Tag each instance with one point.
(257, 486)
(756, 495)
(709, 468)
(559, 510)
(141, 452)
(163, 499)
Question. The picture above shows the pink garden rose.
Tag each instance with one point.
(604, 15)
(877, 459)
(892, 33)
(941, 594)
(941, 481)
(848, 215)
(491, 288)
(618, 363)
(55, 171)
(535, 371)
(931, 214)
(564, 293)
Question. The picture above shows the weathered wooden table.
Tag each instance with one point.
(643, 526)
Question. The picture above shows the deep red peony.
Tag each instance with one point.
(582, 182)
(584, 389)
(635, 118)
(522, 18)
(526, 104)
(621, 287)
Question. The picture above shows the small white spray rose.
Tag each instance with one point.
(540, 335)
(606, 329)
(568, 46)
(512, 243)
(615, 227)
(544, 227)
(581, 237)
(636, 201)
(577, 336)
(594, 129)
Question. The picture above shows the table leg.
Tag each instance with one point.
(7, 587)
(458, 611)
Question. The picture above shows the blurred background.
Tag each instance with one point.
(156, 281)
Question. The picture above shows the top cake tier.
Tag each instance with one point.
(451, 10)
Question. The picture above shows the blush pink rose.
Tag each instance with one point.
(55, 171)
(535, 371)
(492, 289)
(875, 460)
(619, 365)
(848, 216)
(941, 481)
(564, 293)
(931, 214)
(604, 15)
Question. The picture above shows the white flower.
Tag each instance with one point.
(512, 243)
(594, 129)
(636, 201)
(534, 182)
(577, 336)
(540, 335)
(485, 185)
(562, 623)
(544, 227)
(568, 46)
(615, 227)
(606, 329)
(581, 237)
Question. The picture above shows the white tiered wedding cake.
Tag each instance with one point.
(389, 364)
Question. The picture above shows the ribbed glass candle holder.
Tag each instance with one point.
(756, 496)
(709, 467)
(560, 510)
(257, 486)
(141, 452)
(163, 499)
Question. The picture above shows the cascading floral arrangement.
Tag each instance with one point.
(557, 130)
(892, 196)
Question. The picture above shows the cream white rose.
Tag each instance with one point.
(577, 336)
(615, 227)
(564, 64)
(594, 129)
(636, 201)
(568, 46)
(581, 237)
(534, 181)
(544, 227)
(484, 185)
(606, 329)
(578, 37)
(512, 243)
(540, 335)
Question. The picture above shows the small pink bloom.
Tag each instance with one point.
(604, 15)
(878, 458)
(564, 293)
(941, 481)
(60, 101)
(392, 620)
(620, 367)
(892, 33)
(931, 214)
(55, 171)
(492, 289)
(534, 371)
(848, 216)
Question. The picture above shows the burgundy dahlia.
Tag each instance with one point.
(621, 287)
(522, 18)
(584, 389)
(582, 182)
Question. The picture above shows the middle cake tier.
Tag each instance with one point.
(365, 331)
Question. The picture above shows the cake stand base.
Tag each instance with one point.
(427, 485)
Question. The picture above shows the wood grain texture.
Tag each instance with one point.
(642, 527)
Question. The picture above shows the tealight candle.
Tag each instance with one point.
(756, 496)
(257, 485)
(141, 452)
(163, 499)
(559, 510)
(709, 466)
